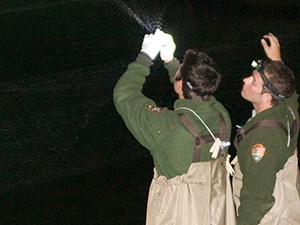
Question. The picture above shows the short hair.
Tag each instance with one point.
(199, 75)
(281, 77)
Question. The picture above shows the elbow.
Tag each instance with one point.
(116, 95)
(119, 97)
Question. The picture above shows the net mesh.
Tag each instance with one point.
(61, 60)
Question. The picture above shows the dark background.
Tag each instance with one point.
(66, 156)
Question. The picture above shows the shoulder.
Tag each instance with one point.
(220, 108)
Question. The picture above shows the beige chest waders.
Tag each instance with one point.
(202, 196)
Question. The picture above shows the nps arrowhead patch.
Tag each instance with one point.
(258, 152)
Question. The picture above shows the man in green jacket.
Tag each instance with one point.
(267, 177)
(188, 144)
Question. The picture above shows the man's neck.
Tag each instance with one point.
(261, 107)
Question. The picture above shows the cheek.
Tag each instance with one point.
(176, 87)
(248, 91)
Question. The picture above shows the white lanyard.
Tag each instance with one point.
(215, 148)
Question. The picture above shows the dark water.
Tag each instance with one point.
(66, 156)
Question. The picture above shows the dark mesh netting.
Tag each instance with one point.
(60, 61)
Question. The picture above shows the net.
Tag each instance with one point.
(61, 59)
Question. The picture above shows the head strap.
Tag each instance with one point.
(273, 90)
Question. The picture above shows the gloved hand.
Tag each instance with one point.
(152, 43)
(168, 48)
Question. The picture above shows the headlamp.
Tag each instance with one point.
(259, 67)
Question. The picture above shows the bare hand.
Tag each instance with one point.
(273, 50)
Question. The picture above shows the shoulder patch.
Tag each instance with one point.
(154, 108)
(258, 152)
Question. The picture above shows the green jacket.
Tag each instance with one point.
(160, 129)
(259, 176)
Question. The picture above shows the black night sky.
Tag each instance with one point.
(66, 155)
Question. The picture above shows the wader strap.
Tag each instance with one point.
(268, 123)
(294, 127)
(241, 132)
(222, 128)
(200, 140)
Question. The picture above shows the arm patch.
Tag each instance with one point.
(154, 108)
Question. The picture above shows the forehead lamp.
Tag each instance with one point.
(259, 67)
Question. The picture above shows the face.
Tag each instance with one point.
(178, 84)
(252, 88)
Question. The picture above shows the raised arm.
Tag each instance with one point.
(272, 50)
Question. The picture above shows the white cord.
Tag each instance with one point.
(217, 143)
(289, 131)
(199, 119)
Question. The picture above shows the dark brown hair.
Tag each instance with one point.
(281, 77)
(199, 76)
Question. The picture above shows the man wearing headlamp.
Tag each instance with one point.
(266, 180)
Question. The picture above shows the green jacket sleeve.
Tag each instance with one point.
(172, 68)
(145, 121)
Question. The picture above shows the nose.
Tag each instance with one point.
(246, 80)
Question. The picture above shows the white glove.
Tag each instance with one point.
(152, 43)
(168, 48)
